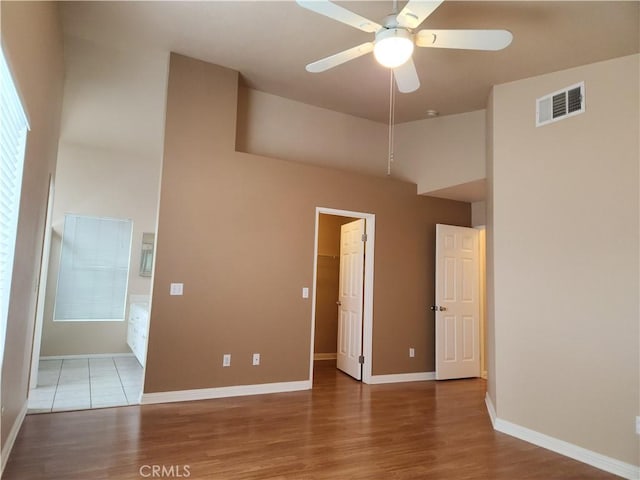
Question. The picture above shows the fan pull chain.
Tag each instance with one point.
(392, 107)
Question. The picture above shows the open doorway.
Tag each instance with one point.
(108, 171)
(90, 337)
(326, 296)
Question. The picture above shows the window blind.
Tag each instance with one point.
(94, 269)
(13, 138)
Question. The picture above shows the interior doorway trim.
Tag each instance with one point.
(367, 313)
(42, 287)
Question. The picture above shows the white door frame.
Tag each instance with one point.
(482, 295)
(367, 313)
(42, 287)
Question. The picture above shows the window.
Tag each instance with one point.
(13, 138)
(94, 269)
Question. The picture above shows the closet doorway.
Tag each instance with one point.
(330, 322)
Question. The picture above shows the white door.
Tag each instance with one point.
(457, 308)
(351, 289)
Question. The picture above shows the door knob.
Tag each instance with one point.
(338, 303)
(437, 308)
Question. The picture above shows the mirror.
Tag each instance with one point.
(146, 254)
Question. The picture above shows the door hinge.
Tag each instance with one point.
(364, 237)
(361, 359)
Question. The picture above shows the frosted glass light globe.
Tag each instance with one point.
(393, 47)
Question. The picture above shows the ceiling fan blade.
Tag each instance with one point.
(336, 12)
(339, 58)
(465, 39)
(415, 12)
(407, 77)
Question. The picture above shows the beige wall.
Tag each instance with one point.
(441, 152)
(238, 230)
(281, 128)
(479, 213)
(327, 285)
(103, 183)
(436, 154)
(32, 41)
(565, 252)
(114, 94)
(329, 233)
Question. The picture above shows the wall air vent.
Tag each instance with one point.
(559, 105)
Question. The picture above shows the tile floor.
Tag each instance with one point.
(84, 383)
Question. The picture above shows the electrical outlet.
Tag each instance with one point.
(412, 352)
(226, 360)
(176, 289)
(638, 425)
(256, 359)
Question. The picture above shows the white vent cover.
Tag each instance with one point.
(559, 105)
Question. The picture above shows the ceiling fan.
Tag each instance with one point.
(396, 37)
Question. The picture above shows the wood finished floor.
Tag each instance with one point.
(340, 430)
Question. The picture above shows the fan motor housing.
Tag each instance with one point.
(390, 21)
(397, 32)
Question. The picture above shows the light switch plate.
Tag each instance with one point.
(412, 352)
(256, 359)
(226, 360)
(176, 289)
(305, 292)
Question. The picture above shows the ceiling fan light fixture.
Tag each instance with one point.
(393, 47)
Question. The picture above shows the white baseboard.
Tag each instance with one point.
(86, 355)
(401, 377)
(223, 392)
(11, 438)
(597, 460)
(491, 409)
(325, 356)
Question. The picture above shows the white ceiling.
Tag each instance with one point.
(269, 43)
